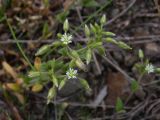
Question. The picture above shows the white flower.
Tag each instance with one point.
(149, 68)
(66, 38)
(71, 73)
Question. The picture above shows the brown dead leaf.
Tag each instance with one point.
(20, 97)
(17, 91)
(9, 69)
(11, 52)
(37, 87)
(37, 63)
(117, 87)
(12, 86)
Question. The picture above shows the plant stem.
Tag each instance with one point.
(18, 45)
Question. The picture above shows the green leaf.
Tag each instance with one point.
(74, 54)
(44, 49)
(123, 45)
(139, 67)
(119, 105)
(97, 27)
(101, 50)
(111, 40)
(51, 94)
(62, 16)
(103, 19)
(109, 33)
(62, 83)
(46, 33)
(89, 3)
(45, 29)
(88, 56)
(63, 51)
(61, 110)
(34, 74)
(80, 64)
(95, 45)
(87, 31)
(72, 63)
(85, 84)
(57, 44)
(54, 80)
(93, 29)
(134, 86)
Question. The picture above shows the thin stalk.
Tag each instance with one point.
(18, 45)
(94, 14)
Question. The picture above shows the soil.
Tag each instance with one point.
(135, 22)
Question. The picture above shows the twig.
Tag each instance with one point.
(102, 94)
(97, 64)
(76, 104)
(122, 13)
(141, 39)
(79, 14)
(151, 83)
(118, 69)
(137, 109)
(108, 2)
(146, 15)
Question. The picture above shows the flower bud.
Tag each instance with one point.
(51, 94)
(62, 83)
(43, 50)
(103, 19)
(111, 40)
(93, 28)
(140, 54)
(66, 25)
(85, 84)
(109, 33)
(80, 64)
(123, 45)
(88, 56)
(34, 74)
(54, 80)
(87, 31)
